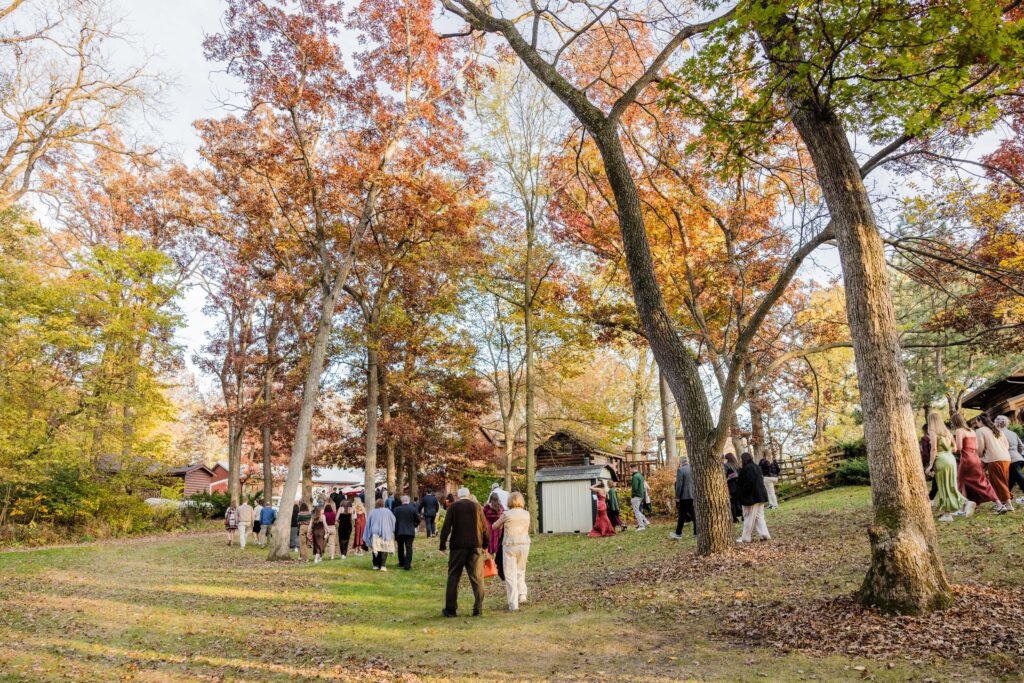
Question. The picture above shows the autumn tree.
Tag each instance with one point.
(63, 93)
(902, 74)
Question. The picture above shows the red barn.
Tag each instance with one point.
(219, 482)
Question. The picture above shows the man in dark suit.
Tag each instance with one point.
(465, 523)
(428, 508)
(406, 521)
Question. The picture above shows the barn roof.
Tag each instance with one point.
(995, 394)
(185, 469)
(576, 473)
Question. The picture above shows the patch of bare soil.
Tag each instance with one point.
(984, 622)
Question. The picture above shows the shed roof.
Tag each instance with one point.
(576, 473)
(589, 441)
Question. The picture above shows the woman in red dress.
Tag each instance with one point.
(602, 525)
(359, 513)
(970, 476)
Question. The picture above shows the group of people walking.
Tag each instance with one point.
(972, 464)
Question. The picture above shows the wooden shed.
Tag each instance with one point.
(198, 478)
(570, 448)
(565, 502)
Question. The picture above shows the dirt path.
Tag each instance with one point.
(128, 540)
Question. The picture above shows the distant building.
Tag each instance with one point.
(572, 448)
(197, 478)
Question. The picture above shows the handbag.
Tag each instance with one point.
(490, 567)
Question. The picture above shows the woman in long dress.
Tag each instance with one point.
(359, 513)
(602, 525)
(492, 511)
(994, 451)
(344, 522)
(948, 499)
(970, 477)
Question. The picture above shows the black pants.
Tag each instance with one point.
(430, 522)
(1017, 475)
(379, 560)
(344, 534)
(685, 515)
(404, 551)
(472, 561)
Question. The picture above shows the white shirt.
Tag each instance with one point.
(991, 448)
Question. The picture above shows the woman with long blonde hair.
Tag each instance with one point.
(947, 499)
(359, 513)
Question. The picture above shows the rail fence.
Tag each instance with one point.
(804, 474)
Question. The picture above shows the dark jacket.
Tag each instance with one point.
(750, 488)
(684, 482)
(467, 526)
(429, 505)
(406, 520)
(769, 469)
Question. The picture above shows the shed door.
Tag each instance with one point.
(567, 507)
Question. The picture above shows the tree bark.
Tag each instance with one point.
(906, 574)
(668, 423)
(235, 434)
(531, 456)
(266, 434)
(303, 427)
(414, 485)
(389, 441)
(372, 401)
(307, 476)
(509, 449)
(711, 496)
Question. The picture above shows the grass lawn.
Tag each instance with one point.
(635, 607)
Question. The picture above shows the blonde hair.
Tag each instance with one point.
(936, 429)
(516, 500)
(358, 506)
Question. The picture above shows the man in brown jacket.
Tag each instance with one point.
(465, 523)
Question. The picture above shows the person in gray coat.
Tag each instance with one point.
(684, 498)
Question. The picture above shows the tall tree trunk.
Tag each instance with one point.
(509, 448)
(400, 482)
(531, 456)
(303, 426)
(906, 573)
(703, 442)
(668, 423)
(235, 434)
(372, 401)
(414, 484)
(307, 476)
(389, 440)
(266, 434)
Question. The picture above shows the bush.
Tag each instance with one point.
(663, 491)
(211, 505)
(854, 449)
(479, 482)
(123, 514)
(852, 472)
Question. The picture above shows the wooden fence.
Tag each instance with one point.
(808, 473)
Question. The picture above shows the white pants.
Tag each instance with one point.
(641, 519)
(331, 539)
(515, 572)
(753, 516)
(769, 484)
(243, 534)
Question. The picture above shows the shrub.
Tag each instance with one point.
(212, 505)
(854, 449)
(663, 491)
(123, 514)
(852, 472)
(479, 482)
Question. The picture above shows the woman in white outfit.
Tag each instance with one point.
(516, 547)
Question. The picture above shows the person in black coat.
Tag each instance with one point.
(752, 496)
(429, 507)
(407, 519)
